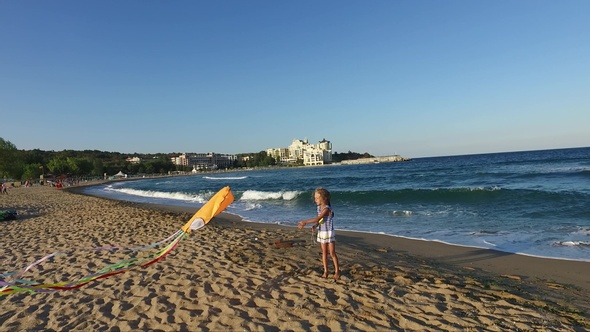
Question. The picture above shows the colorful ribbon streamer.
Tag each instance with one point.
(13, 282)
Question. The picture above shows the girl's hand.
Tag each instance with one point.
(300, 225)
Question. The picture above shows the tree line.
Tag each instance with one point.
(338, 157)
(31, 164)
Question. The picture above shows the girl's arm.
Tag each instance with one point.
(325, 212)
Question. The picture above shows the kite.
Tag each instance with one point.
(12, 282)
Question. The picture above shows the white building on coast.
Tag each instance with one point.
(134, 160)
(208, 160)
(311, 154)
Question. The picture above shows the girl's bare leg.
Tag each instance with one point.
(332, 249)
(325, 258)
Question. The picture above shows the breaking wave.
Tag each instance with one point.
(160, 194)
(225, 177)
(255, 195)
(572, 244)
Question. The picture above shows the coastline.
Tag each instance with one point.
(566, 271)
(233, 275)
(512, 265)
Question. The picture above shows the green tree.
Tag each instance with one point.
(268, 161)
(160, 165)
(262, 159)
(58, 166)
(97, 167)
(85, 166)
(132, 168)
(73, 165)
(149, 168)
(79, 166)
(35, 156)
(9, 160)
(31, 171)
(338, 157)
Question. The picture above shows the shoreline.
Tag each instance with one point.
(512, 265)
(570, 270)
(242, 275)
(549, 245)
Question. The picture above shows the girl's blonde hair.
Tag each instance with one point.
(324, 193)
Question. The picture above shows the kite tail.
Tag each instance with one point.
(12, 282)
(20, 285)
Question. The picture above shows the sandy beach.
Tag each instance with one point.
(235, 275)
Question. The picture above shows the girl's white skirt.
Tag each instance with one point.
(326, 236)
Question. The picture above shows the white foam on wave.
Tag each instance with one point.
(484, 232)
(465, 189)
(401, 213)
(224, 177)
(159, 194)
(252, 206)
(572, 243)
(255, 195)
(489, 243)
(582, 231)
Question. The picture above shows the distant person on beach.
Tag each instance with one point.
(4, 188)
(325, 223)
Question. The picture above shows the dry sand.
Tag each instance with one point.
(231, 275)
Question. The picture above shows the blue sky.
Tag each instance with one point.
(416, 78)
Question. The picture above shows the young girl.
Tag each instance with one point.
(326, 235)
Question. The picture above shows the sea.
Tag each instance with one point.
(533, 203)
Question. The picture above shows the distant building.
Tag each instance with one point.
(314, 155)
(134, 160)
(311, 154)
(208, 160)
(181, 160)
(281, 155)
(296, 149)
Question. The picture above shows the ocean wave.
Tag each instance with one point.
(484, 232)
(447, 195)
(572, 243)
(255, 195)
(466, 196)
(564, 172)
(469, 189)
(225, 177)
(582, 231)
(159, 194)
(401, 213)
(252, 206)
(489, 243)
